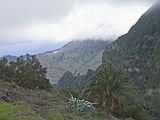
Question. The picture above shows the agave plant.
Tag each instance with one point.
(77, 106)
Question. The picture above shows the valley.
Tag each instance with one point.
(89, 79)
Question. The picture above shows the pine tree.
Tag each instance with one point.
(30, 73)
(26, 71)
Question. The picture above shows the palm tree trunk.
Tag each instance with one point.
(113, 105)
(104, 102)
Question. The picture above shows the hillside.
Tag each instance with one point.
(37, 103)
(72, 82)
(139, 50)
(76, 57)
(26, 104)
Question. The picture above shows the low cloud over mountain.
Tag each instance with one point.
(52, 21)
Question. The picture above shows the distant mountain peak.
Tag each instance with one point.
(9, 58)
(76, 56)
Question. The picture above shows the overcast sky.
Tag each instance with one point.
(28, 24)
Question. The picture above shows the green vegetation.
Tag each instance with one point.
(134, 112)
(138, 53)
(14, 111)
(60, 115)
(26, 72)
(109, 88)
(55, 115)
(7, 111)
(29, 118)
(74, 83)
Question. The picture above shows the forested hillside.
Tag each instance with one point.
(138, 50)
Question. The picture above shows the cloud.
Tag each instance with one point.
(15, 14)
(119, 3)
(125, 2)
(64, 20)
(86, 21)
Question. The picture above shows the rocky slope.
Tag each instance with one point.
(38, 103)
(76, 57)
(139, 50)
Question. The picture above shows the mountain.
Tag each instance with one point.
(139, 50)
(9, 58)
(76, 57)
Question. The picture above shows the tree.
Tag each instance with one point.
(3, 64)
(6, 71)
(30, 73)
(26, 71)
(109, 87)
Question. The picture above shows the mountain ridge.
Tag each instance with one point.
(76, 56)
(137, 50)
(9, 57)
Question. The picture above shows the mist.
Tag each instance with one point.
(55, 22)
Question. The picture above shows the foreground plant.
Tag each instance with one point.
(80, 107)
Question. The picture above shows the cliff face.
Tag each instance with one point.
(138, 51)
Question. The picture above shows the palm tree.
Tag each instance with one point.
(109, 87)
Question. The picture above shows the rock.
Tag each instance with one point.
(5, 98)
